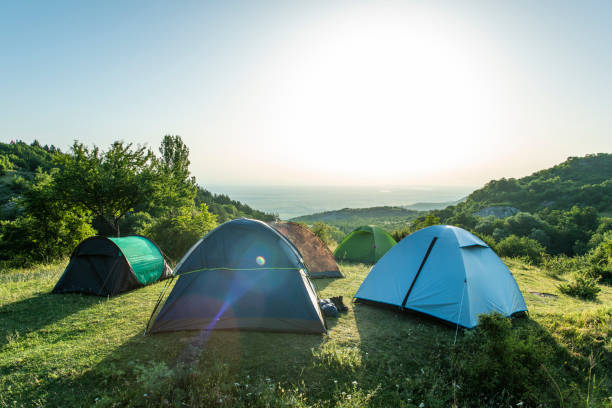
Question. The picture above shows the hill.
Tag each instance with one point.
(73, 350)
(581, 181)
(347, 219)
(431, 206)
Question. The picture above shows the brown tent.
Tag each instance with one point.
(317, 256)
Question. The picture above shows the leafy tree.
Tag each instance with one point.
(110, 183)
(527, 248)
(328, 234)
(176, 232)
(175, 186)
(46, 228)
(427, 221)
(5, 164)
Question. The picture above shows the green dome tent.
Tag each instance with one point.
(107, 266)
(365, 244)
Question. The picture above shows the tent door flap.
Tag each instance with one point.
(433, 241)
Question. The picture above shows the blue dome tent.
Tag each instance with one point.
(445, 272)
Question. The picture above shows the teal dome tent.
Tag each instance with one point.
(108, 266)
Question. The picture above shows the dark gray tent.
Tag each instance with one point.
(107, 266)
(242, 275)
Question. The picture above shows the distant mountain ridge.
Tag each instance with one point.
(582, 181)
(432, 206)
(346, 219)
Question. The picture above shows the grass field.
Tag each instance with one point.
(73, 350)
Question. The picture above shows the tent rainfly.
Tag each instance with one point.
(242, 275)
(365, 244)
(317, 257)
(445, 272)
(107, 266)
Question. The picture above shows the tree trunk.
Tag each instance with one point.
(116, 226)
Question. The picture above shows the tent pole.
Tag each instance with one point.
(460, 307)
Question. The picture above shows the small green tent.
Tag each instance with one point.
(365, 244)
(107, 266)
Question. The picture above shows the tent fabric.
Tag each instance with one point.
(144, 257)
(365, 244)
(445, 272)
(318, 259)
(242, 275)
(108, 266)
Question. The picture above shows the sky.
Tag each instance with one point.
(441, 93)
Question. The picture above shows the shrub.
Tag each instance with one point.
(560, 265)
(600, 259)
(400, 234)
(583, 285)
(497, 364)
(329, 235)
(176, 233)
(527, 248)
(46, 229)
(5, 164)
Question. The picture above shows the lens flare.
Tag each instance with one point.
(261, 261)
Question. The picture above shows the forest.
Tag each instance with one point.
(51, 200)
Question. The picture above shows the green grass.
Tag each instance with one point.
(72, 350)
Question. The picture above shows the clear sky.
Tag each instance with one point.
(316, 92)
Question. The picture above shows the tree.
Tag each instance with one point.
(46, 228)
(175, 186)
(109, 184)
(428, 221)
(176, 233)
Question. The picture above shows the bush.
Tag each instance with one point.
(583, 285)
(497, 364)
(5, 164)
(560, 265)
(400, 234)
(527, 248)
(328, 234)
(46, 229)
(600, 259)
(176, 233)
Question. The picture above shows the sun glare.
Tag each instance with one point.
(380, 97)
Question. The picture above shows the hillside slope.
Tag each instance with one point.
(582, 181)
(348, 219)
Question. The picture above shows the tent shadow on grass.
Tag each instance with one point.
(280, 356)
(401, 345)
(321, 283)
(32, 314)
